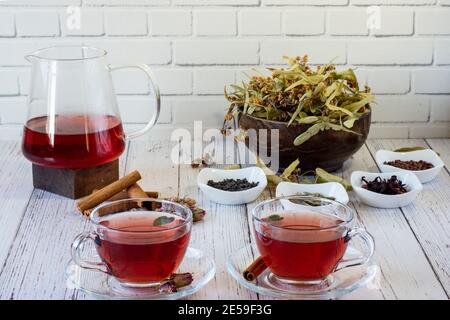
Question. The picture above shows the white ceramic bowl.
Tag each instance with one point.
(426, 155)
(253, 174)
(378, 200)
(329, 189)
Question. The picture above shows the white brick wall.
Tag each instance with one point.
(195, 47)
(215, 23)
(37, 23)
(170, 23)
(259, 22)
(348, 22)
(304, 22)
(126, 23)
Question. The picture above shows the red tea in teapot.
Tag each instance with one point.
(73, 141)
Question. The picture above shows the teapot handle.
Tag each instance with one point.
(151, 77)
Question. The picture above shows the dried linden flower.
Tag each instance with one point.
(322, 97)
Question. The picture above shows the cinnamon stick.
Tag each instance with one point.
(255, 269)
(135, 191)
(107, 192)
(152, 194)
(118, 196)
(125, 195)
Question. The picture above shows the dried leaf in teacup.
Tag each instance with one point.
(162, 220)
(273, 218)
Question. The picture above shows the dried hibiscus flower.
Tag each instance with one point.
(391, 186)
(176, 281)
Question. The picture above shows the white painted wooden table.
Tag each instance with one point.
(36, 227)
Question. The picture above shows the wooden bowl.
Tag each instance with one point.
(328, 149)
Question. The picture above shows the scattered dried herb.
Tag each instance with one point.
(198, 213)
(323, 176)
(290, 174)
(163, 220)
(391, 186)
(232, 167)
(176, 281)
(325, 98)
(232, 184)
(410, 164)
(205, 161)
(409, 149)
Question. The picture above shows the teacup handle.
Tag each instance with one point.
(151, 78)
(77, 248)
(369, 249)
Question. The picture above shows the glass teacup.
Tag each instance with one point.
(139, 241)
(303, 239)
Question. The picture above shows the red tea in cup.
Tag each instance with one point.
(302, 245)
(139, 242)
(303, 239)
(135, 250)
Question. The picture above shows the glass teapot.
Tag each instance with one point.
(73, 117)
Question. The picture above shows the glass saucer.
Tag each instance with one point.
(334, 286)
(102, 286)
